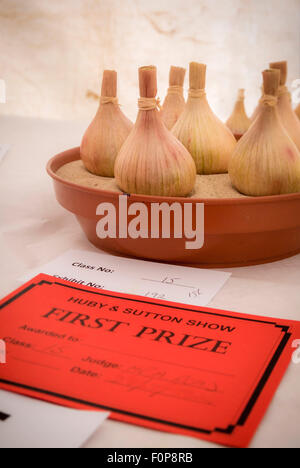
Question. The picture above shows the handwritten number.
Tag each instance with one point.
(195, 293)
(53, 350)
(155, 295)
(170, 280)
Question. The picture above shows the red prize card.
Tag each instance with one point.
(195, 371)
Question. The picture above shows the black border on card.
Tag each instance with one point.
(228, 430)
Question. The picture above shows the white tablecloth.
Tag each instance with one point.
(35, 229)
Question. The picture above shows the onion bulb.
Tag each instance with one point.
(152, 161)
(208, 140)
(239, 122)
(107, 132)
(266, 161)
(286, 112)
(174, 102)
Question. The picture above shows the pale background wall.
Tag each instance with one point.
(53, 51)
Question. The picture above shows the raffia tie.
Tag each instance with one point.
(196, 93)
(269, 100)
(284, 90)
(175, 89)
(149, 103)
(108, 100)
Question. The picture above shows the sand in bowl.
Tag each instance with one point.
(207, 186)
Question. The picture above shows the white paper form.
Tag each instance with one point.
(30, 423)
(153, 280)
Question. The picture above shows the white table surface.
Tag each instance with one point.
(34, 229)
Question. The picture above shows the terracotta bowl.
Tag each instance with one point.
(238, 232)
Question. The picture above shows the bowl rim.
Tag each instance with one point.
(155, 198)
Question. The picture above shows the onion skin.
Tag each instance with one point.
(174, 102)
(103, 140)
(289, 118)
(287, 115)
(207, 139)
(239, 122)
(107, 132)
(152, 161)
